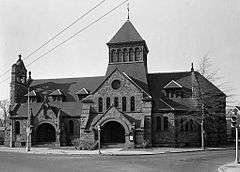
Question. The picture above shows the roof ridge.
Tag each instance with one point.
(169, 72)
(67, 78)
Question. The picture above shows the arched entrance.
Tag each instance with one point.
(45, 133)
(112, 132)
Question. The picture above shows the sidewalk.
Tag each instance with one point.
(108, 151)
(229, 168)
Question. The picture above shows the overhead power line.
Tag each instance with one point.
(59, 33)
(81, 30)
(86, 27)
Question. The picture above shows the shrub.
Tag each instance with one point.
(84, 143)
(145, 143)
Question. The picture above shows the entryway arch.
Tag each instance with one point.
(112, 132)
(45, 133)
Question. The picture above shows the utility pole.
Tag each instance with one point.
(28, 146)
(236, 153)
(202, 128)
(235, 122)
(99, 138)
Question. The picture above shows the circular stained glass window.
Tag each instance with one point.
(116, 84)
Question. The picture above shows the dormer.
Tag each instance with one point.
(82, 93)
(33, 98)
(57, 95)
(173, 90)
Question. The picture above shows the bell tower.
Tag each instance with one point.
(128, 52)
(18, 85)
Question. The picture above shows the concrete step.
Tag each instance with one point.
(113, 145)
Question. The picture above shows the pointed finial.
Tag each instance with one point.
(19, 56)
(128, 10)
(29, 75)
(192, 69)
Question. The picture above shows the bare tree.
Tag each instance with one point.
(211, 103)
(4, 105)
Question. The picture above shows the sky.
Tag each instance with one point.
(176, 32)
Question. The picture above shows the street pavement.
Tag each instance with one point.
(203, 161)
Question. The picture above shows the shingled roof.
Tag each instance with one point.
(70, 86)
(127, 33)
(158, 82)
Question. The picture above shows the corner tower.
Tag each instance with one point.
(18, 85)
(128, 52)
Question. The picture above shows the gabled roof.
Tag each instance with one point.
(134, 70)
(69, 86)
(127, 77)
(127, 33)
(82, 91)
(32, 94)
(57, 92)
(172, 84)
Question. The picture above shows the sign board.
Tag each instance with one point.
(131, 137)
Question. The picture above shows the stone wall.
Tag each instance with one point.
(164, 137)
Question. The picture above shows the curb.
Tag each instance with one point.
(116, 154)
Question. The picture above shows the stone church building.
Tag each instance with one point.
(131, 106)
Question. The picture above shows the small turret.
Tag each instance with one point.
(18, 85)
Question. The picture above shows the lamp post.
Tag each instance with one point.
(99, 138)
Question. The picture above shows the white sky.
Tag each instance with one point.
(177, 32)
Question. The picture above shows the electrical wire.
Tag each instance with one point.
(86, 27)
(59, 33)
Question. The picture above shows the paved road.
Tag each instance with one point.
(173, 162)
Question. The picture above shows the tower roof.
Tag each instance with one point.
(127, 33)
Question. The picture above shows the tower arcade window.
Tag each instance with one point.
(131, 54)
(119, 55)
(125, 55)
(137, 54)
(100, 104)
(17, 127)
(108, 102)
(132, 102)
(124, 104)
(71, 127)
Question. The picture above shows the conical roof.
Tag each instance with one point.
(127, 33)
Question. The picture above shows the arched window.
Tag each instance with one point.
(132, 101)
(116, 101)
(17, 127)
(100, 104)
(125, 55)
(71, 127)
(191, 125)
(131, 54)
(108, 102)
(165, 123)
(137, 54)
(159, 122)
(181, 125)
(119, 55)
(186, 126)
(124, 104)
